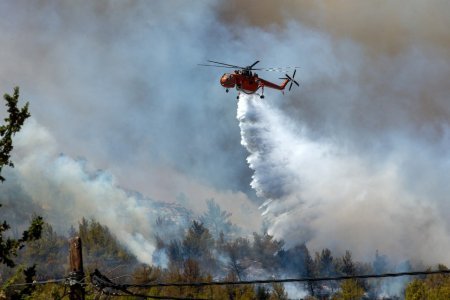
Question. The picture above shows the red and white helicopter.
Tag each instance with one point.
(248, 82)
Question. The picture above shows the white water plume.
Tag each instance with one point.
(328, 196)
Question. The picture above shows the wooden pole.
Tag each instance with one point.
(76, 272)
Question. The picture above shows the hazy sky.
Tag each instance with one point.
(115, 84)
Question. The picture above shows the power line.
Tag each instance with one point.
(303, 279)
(66, 281)
(106, 286)
(128, 293)
(39, 282)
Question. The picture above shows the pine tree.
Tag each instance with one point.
(13, 123)
(217, 220)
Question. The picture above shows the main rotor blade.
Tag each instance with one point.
(290, 86)
(204, 65)
(295, 82)
(282, 69)
(293, 75)
(216, 62)
(250, 67)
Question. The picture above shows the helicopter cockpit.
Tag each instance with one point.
(227, 80)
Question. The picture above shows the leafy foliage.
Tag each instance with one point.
(193, 254)
(13, 123)
(100, 247)
(21, 275)
(350, 290)
(9, 246)
(217, 220)
(433, 287)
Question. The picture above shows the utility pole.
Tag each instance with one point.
(76, 272)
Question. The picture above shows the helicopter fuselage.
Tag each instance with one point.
(247, 82)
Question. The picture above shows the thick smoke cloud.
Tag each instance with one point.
(66, 190)
(118, 83)
(117, 86)
(382, 27)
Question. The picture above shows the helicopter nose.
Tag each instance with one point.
(223, 80)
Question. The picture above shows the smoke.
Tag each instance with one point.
(382, 27)
(118, 83)
(67, 191)
(64, 190)
(327, 196)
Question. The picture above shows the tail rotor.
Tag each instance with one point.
(291, 79)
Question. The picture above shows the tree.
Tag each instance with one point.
(100, 247)
(326, 268)
(217, 220)
(310, 272)
(49, 253)
(265, 250)
(380, 263)
(198, 244)
(348, 267)
(433, 287)
(278, 292)
(13, 123)
(238, 252)
(350, 290)
(262, 293)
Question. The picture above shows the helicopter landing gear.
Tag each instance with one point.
(226, 91)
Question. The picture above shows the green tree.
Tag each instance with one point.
(278, 292)
(13, 123)
(350, 290)
(49, 253)
(216, 220)
(198, 244)
(21, 275)
(265, 250)
(348, 267)
(238, 252)
(262, 293)
(325, 265)
(310, 272)
(433, 287)
(100, 247)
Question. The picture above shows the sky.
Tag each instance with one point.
(119, 104)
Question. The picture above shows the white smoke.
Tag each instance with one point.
(68, 191)
(325, 195)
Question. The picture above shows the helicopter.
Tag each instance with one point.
(248, 82)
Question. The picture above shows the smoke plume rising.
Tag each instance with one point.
(66, 189)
